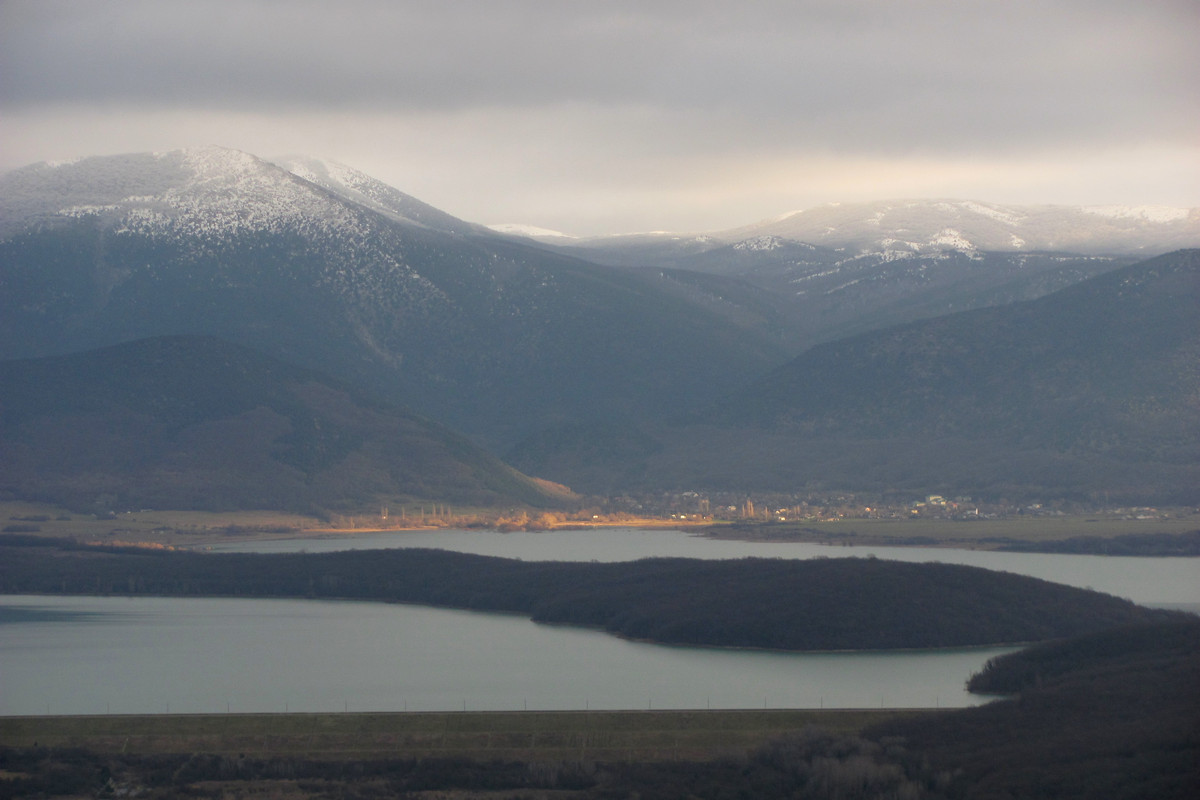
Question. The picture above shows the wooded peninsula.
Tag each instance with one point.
(821, 604)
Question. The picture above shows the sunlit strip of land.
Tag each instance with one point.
(174, 528)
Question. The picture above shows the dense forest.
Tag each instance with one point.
(822, 604)
(1114, 714)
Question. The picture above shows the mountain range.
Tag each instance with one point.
(890, 345)
(1087, 392)
(342, 274)
(907, 227)
(841, 269)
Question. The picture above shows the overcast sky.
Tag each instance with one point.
(598, 117)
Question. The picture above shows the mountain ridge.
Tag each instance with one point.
(930, 224)
(528, 348)
(193, 422)
(1088, 392)
(841, 269)
(918, 226)
(485, 332)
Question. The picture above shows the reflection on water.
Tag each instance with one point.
(16, 614)
(211, 655)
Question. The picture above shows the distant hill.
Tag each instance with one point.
(193, 422)
(915, 226)
(910, 226)
(1111, 357)
(325, 267)
(1089, 390)
(846, 268)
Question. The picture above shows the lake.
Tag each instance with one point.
(97, 655)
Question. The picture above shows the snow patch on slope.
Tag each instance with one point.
(953, 239)
(359, 187)
(212, 197)
(1160, 214)
(974, 227)
(991, 212)
(532, 231)
(760, 244)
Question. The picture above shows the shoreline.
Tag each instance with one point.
(1094, 545)
(198, 529)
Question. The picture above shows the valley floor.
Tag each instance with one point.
(1099, 532)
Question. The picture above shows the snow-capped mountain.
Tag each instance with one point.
(358, 187)
(209, 191)
(202, 192)
(845, 268)
(325, 267)
(898, 229)
(919, 227)
(197, 204)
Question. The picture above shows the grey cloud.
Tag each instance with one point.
(858, 74)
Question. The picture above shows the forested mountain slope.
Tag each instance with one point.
(1091, 391)
(192, 422)
(339, 273)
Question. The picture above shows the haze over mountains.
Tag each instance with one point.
(917, 225)
(653, 368)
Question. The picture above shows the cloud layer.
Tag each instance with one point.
(624, 115)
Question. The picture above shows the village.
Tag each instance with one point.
(694, 506)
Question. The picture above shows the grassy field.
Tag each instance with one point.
(190, 528)
(156, 527)
(524, 736)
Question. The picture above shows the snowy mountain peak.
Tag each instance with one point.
(361, 188)
(208, 198)
(1160, 214)
(214, 163)
(932, 226)
(210, 192)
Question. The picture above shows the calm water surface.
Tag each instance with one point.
(1155, 581)
(97, 655)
